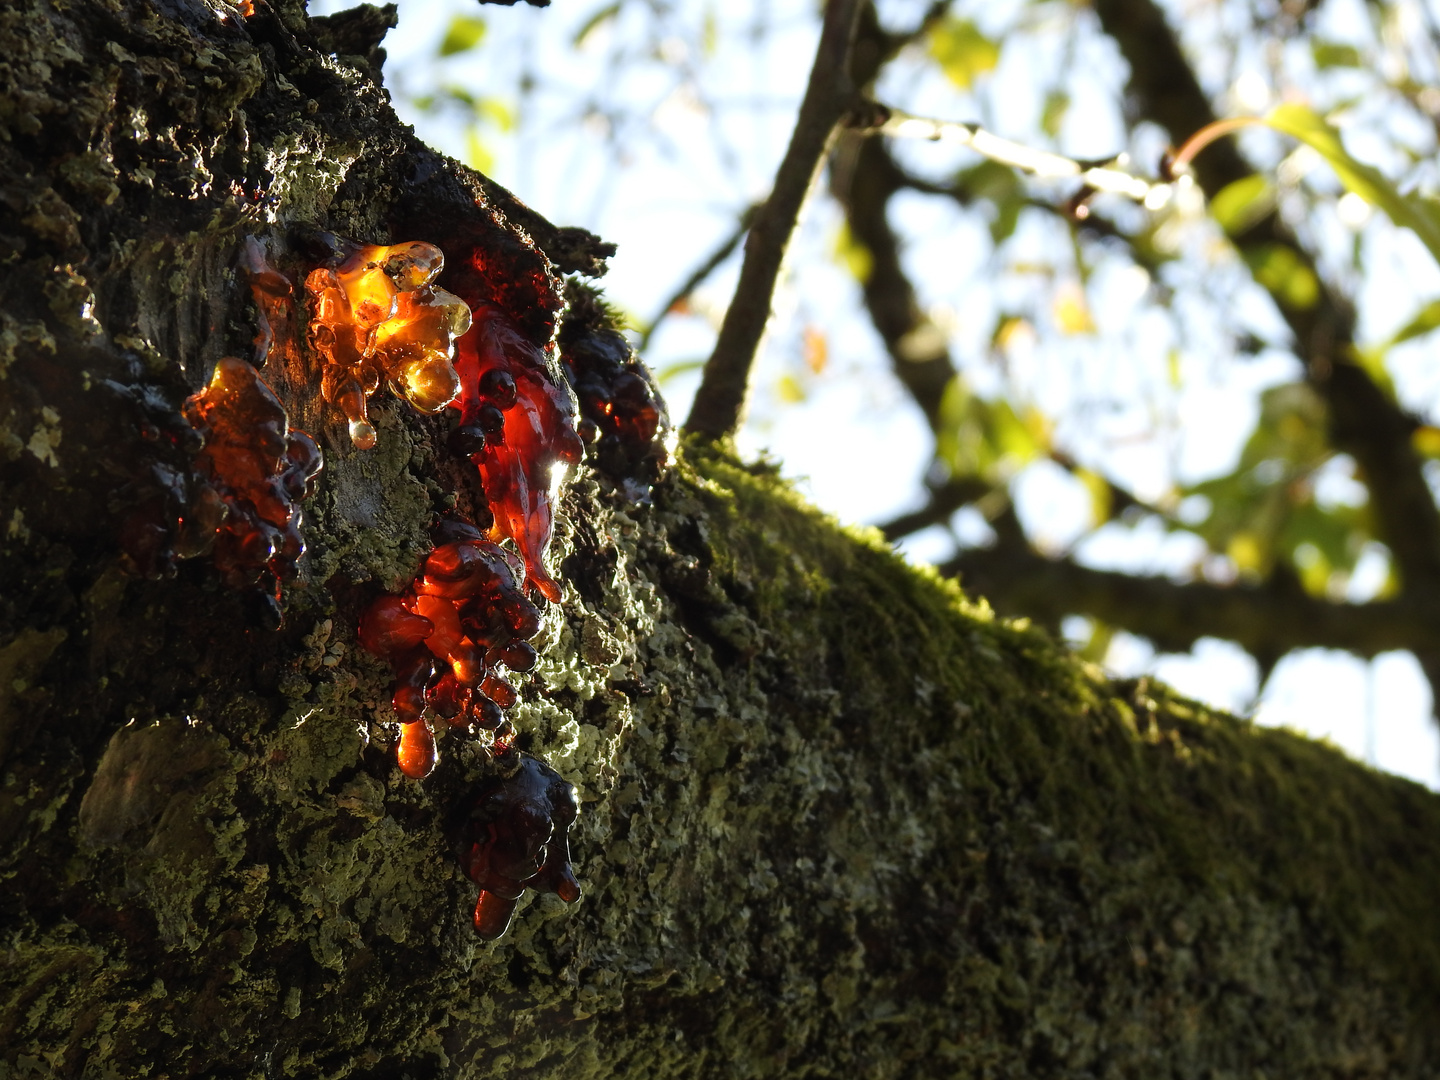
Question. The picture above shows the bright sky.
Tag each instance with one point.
(693, 151)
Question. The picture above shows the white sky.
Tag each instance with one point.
(855, 443)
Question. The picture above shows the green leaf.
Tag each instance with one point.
(463, 34)
(853, 255)
(601, 18)
(1242, 204)
(1425, 320)
(988, 439)
(998, 185)
(1372, 359)
(670, 372)
(496, 111)
(1266, 508)
(1102, 497)
(1426, 441)
(709, 33)
(1332, 54)
(1098, 647)
(789, 390)
(962, 51)
(1057, 104)
(477, 156)
(458, 94)
(1414, 212)
(1281, 270)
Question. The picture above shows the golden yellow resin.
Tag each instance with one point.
(376, 318)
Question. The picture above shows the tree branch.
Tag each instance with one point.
(874, 118)
(864, 180)
(944, 500)
(1265, 620)
(720, 401)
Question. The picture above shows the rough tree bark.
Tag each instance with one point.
(836, 818)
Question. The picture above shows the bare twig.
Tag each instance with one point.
(944, 500)
(1108, 175)
(1100, 176)
(720, 401)
(700, 273)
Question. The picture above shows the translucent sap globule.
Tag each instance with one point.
(375, 319)
(446, 637)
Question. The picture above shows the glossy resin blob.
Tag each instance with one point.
(516, 836)
(376, 319)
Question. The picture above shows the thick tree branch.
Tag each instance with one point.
(1266, 620)
(720, 401)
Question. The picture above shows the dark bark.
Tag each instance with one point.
(834, 817)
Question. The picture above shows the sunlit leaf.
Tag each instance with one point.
(477, 156)
(670, 372)
(1238, 206)
(853, 255)
(1415, 212)
(1098, 647)
(1425, 320)
(1315, 569)
(1070, 311)
(789, 390)
(1266, 509)
(989, 439)
(1010, 330)
(462, 35)
(1331, 54)
(497, 112)
(998, 185)
(1373, 361)
(1426, 441)
(1246, 553)
(1101, 495)
(1284, 274)
(1014, 437)
(816, 349)
(1052, 115)
(962, 51)
(596, 22)
(709, 33)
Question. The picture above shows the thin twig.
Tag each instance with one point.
(699, 274)
(720, 401)
(1107, 176)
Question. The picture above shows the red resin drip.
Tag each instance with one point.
(416, 752)
(624, 415)
(261, 469)
(517, 837)
(272, 293)
(463, 617)
(518, 428)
